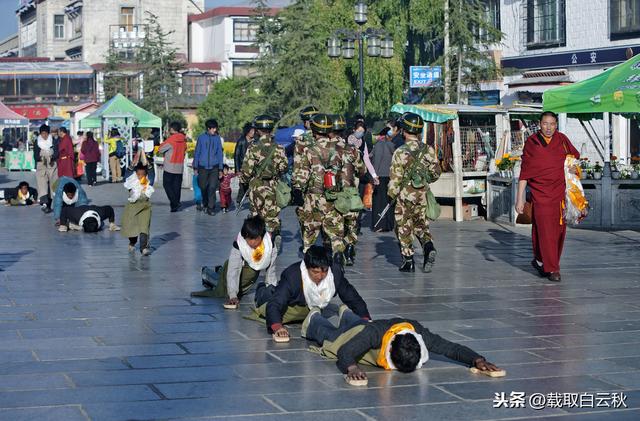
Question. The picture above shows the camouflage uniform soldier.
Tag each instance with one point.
(305, 115)
(410, 189)
(315, 175)
(352, 169)
(264, 164)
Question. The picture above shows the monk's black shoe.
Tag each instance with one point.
(539, 269)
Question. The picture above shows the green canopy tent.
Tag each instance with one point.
(616, 90)
(119, 105)
(122, 114)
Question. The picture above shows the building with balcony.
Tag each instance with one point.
(84, 30)
(548, 43)
(225, 35)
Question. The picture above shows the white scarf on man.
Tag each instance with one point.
(45, 144)
(68, 201)
(133, 184)
(248, 253)
(317, 295)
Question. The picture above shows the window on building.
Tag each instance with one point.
(197, 84)
(126, 54)
(492, 16)
(244, 30)
(127, 18)
(244, 69)
(58, 26)
(546, 22)
(625, 19)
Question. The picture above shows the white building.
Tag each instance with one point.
(84, 30)
(225, 35)
(548, 43)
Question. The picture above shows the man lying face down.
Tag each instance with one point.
(88, 218)
(394, 344)
(310, 283)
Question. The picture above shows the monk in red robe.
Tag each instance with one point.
(66, 155)
(543, 172)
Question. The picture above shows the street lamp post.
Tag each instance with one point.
(379, 44)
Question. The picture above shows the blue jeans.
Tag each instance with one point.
(321, 329)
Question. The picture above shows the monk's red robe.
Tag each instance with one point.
(543, 169)
(66, 163)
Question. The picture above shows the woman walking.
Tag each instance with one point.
(91, 153)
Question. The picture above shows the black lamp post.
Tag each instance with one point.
(342, 43)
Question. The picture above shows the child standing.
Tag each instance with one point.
(225, 188)
(136, 220)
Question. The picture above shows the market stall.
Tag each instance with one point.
(122, 114)
(523, 121)
(465, 138)
(15, 131)
(613, 195)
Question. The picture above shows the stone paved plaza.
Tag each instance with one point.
(90, 332)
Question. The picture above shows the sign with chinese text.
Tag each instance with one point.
(425, 76)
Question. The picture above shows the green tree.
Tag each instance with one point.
(232, 102)
(159, 65)
(296, 71)
(115, 78)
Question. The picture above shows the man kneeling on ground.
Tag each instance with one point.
(252, 252)
(68, 193)
(310, 283)
(88, 218)
(23, 195)
(394, 344)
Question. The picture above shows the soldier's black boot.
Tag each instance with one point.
(408, 264)
(339, 258)
(349, 255)
(429, 257)
(277, 240)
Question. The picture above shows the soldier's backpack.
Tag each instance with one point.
(348, 200)
(419, 178)
(283, 191)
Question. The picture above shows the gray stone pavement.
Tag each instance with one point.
(90, 332)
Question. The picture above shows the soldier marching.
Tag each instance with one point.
(264, 164)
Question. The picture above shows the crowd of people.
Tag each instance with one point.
(325, 184)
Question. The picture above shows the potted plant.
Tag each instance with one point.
(615, 171)
(625, 172)
(585, 167)
(597, 171)
(635, 167)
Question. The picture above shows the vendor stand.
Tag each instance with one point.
(15, 129)
(122, 114)
(523, 121)
(465, 139)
